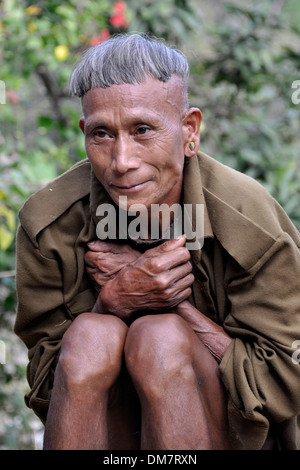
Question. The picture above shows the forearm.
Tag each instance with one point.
(212, 335)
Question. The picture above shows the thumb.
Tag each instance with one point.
(171, 244)
(99, 245)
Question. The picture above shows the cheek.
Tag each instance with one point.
(175, 161)
(99, 170)
(175, 172)
(170, 150)
(170, 175)
(97, 159)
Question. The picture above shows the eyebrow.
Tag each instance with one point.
(93, 124)
(142, 118)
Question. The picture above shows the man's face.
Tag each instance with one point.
(135, 139)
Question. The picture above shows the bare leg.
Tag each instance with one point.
(123, 415)
(88, 366)
(94, 404)
(182, 398)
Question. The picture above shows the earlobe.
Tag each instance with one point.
(82, 124)
(192, 122)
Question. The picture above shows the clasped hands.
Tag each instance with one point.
(127, 281)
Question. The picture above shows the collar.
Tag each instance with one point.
(193, 193)
(49, 203)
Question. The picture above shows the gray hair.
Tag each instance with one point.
(127, 58)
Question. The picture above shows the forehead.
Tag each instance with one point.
(151, 95)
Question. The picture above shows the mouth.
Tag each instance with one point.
(130, 187)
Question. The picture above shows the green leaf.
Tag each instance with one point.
(6, 238)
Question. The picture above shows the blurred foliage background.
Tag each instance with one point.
(244, 57)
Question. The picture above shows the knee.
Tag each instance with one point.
(157, 349)
(92, 350)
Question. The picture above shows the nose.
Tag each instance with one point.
(124, 155)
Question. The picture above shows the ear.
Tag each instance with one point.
(191, 131)
(82, 123)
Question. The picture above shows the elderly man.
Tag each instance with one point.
(142, 342)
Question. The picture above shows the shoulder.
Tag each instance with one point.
(244, 217)
(50, 202)
(245, 196)
(227, 182)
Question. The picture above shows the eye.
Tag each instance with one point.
(141, 130)
(101, 134)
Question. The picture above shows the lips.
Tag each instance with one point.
(130, 187)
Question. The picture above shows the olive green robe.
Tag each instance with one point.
(247, 279)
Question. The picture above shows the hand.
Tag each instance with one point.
(105, 259)
(158, 279)
(212, 335)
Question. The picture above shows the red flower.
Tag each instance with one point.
(118, 19)
(104, 34)
(119, 7)
(12, 96)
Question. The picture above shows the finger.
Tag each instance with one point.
(159, 262)
(111, 262)
(110, 247)
(173, 299)
(91, 270)
(91, 259)
(183, 295)
(183, 272)
(169, 245)
(183, 283)
(174, 285)
(99, 245)
(95, 257)
(179, 291)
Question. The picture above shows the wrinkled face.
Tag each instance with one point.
(135, 139)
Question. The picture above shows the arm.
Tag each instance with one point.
(212, 335)
(157, 280)
(105, 259)
(41, 319)
(41, 314)
(257, 369)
